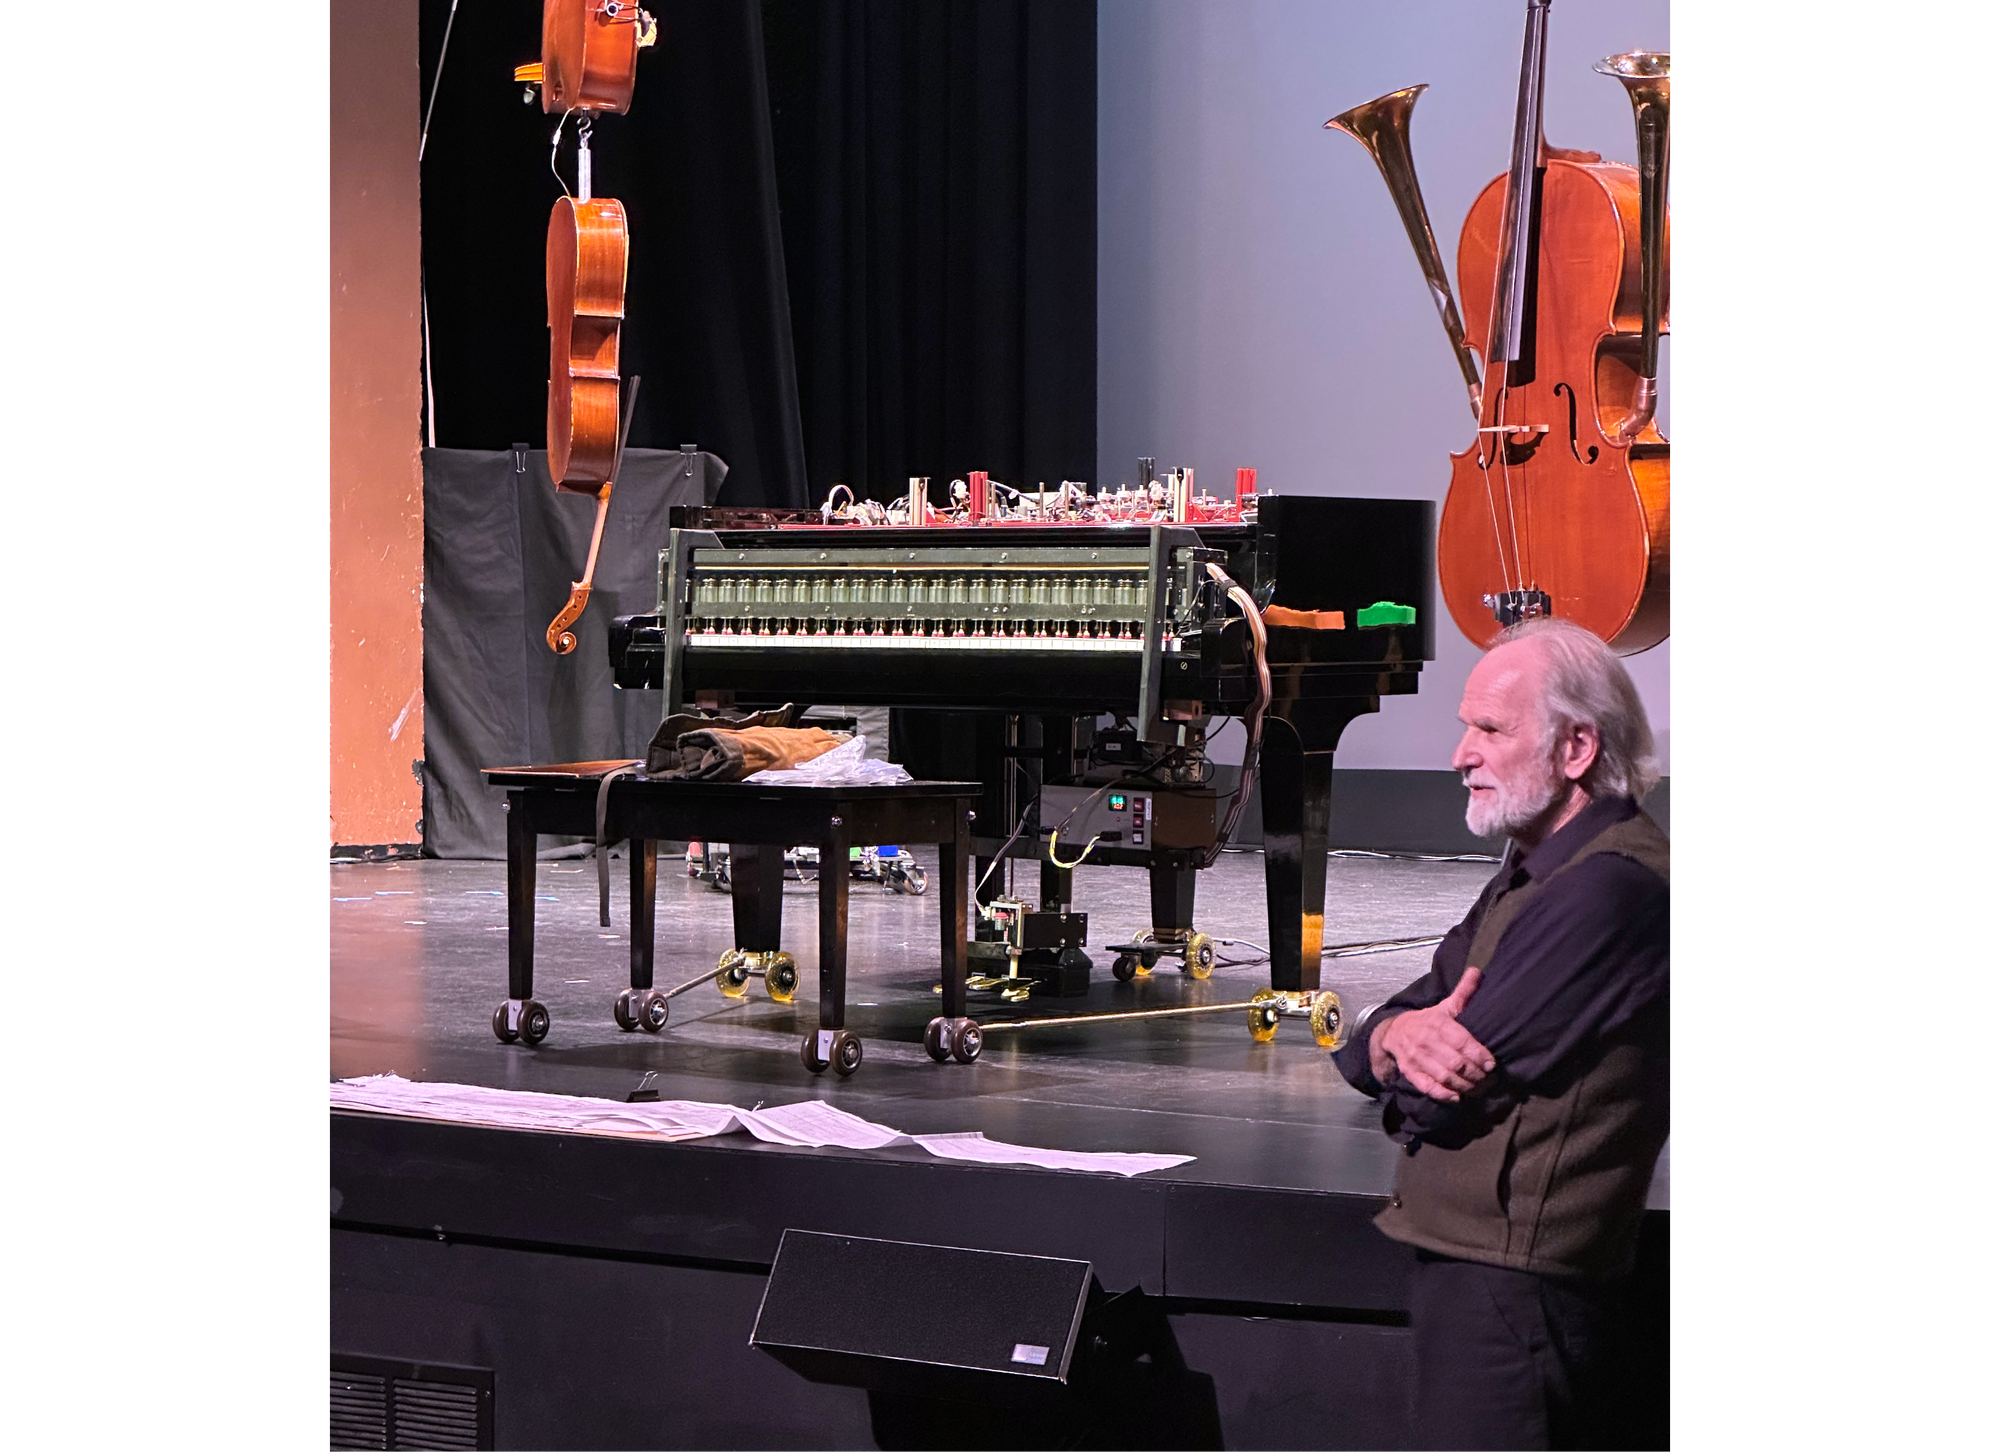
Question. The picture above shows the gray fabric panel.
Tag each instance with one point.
(501, 547)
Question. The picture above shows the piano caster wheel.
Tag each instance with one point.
(534, 1023)
(967, 1040)
(501, 1030)
(1200, 960)
(1147, 958)
(846, 1052)
(1264, 1016)
(1328, 1023)
(781, 978)
(734, 978)
(938, 1039)
(1126, 968)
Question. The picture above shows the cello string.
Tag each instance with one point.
(1486, 474)
(1513, 506)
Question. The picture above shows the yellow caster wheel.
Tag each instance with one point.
(1264, 1016)
(1200, 960)
(781, 977)
(734, 974)
(1329, 1024)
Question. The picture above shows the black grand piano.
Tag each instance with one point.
(1039, 631)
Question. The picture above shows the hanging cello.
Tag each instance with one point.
(589, 63)
(1560, 504)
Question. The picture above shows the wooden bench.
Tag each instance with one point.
(758, 821)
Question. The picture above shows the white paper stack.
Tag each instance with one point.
(810, 1123)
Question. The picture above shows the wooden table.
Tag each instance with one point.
(759, 822)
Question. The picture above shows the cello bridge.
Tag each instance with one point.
(1511, 607)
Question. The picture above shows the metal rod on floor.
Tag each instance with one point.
(1028, 1023)
(709, 977)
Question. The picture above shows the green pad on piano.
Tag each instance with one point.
(1385, 612)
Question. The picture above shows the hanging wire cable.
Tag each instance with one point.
(423, 291)
(555, 143)
(436, 76)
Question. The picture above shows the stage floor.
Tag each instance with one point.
(419, 963)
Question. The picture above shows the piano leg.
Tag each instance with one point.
(1173, 896)
(757, 894)
(1298, 797)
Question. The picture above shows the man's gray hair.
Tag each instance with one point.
(1589, 686)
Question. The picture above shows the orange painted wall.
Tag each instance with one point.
(377, 645)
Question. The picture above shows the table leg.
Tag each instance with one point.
(832, 925)
(521, 839)
(952, 895)
(757, 895)
(644, 852)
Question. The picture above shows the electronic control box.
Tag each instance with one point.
(1134, 817)
(1118, 814)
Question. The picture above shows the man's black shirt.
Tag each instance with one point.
(1584, 961)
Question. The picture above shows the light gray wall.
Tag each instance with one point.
(1257, 300)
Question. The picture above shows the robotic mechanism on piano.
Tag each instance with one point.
(1042, 612)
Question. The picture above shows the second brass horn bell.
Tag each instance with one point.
(1383, 126)
(1647, 77)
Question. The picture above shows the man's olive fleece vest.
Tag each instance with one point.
(1559, 1186)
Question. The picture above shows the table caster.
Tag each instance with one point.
(504, 1025)
(846, 1052)
(842, 1054)
(1200, 956)
(1264, 1015)
(649, 1009)
(1328, 1023)
(967, 1040)
(781, 977)
(733, 973)
(937, 1039)
(534, 1023)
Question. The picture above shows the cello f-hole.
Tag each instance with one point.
(1589, 456)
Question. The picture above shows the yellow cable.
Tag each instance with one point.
(1066, 866)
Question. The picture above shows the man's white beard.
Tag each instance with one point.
(1510, 810)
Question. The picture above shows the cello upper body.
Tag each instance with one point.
(1545, 498)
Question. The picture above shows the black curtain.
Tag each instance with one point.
(501, 547)
(937, 168)
(706, 325)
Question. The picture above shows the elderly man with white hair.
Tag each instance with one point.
(1525, 1075)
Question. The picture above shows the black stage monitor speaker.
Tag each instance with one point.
(931, 1320)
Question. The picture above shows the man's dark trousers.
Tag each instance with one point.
(1507, 1358)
